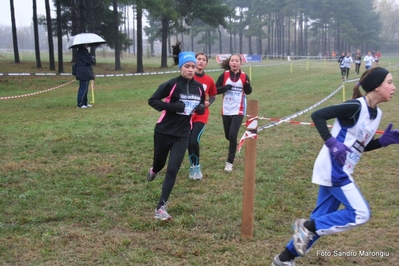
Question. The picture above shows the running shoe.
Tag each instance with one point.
(277, 262)
(198, 174)
(195, 172)
(191, 173)
(151, 175)
(228, 167)
(301, 237)
(162, 214)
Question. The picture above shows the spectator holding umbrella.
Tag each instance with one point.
(84, 73)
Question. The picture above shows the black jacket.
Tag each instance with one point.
(84, 61)
(165, 98)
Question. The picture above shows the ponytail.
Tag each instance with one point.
(356, 91)
(225, 64)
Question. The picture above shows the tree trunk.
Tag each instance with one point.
(231, 37)
(305, 43)
(141, 31)
(250, 45)
(269, 33)
(92, 21)
(14, 33)
(59, 38)
(220, 40)
(36, 35)
(300, 35)
(164, 40)
(192, 41)
(74, 27)
(208, 34)
(289, 36)
(116, 30)
(240, 32)
(50, 36)
(140, 67)
(295, 34)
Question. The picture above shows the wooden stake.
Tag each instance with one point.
(249, 173)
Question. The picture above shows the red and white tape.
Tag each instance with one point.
(250, 133)
(35, 93)
(297, 122)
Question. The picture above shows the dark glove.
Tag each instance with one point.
(338, 150)
(247, 88)
(175, 107)
(224, 88)
(228, 87)
(389, 137)
(200, 109)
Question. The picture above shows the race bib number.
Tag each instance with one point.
(234, 95)
(191, 101)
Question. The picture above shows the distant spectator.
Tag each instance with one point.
(347, 61)
(377, 56)
(342, 65)
(368, 60)
(358, 61)
(84, 73)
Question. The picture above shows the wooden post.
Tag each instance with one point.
(249, 171)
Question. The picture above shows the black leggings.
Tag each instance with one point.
(357, 68)
(347, 72)
(343, 71)
(231, 125)
(176, 148)
(193, 145)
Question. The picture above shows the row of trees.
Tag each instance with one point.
(275, 27)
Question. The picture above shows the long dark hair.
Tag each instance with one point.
(225, 63)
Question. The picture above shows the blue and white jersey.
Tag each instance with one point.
(326, 171)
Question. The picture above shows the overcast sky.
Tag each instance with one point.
(23, 12)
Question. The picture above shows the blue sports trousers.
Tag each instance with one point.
(329, 219)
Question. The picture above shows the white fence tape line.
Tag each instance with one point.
(288, 118)
(35, 93)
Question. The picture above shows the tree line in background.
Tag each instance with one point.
(263, 27)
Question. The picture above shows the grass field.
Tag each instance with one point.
(73, 189)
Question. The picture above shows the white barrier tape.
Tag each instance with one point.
(35, 74)
(35, 93)
(136, 74)
(287, 118)
(159, 72)
(299, 123)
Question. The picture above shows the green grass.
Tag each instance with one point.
(73, 188)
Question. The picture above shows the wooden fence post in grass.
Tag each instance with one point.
(249, 171)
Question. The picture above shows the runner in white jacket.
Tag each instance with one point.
(347, 61)
(368, 60)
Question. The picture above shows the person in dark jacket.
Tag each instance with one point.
(84, 73)
(342, 65)
(177, 99)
